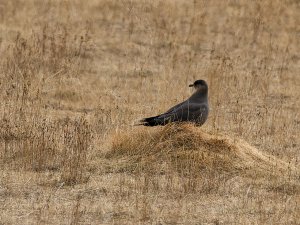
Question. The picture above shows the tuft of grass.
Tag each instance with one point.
(77, 143)
(190, 150)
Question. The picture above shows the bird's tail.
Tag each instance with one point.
(150, 121)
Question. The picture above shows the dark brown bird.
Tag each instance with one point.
(195, 109)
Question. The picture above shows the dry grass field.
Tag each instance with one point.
(76, 75)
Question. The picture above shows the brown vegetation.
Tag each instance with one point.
(75, 75)
(190, 151)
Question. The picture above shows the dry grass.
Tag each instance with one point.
(74, 75)
(190, 151)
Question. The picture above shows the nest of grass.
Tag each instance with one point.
(189, 150)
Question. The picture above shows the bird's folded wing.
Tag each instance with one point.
(181, 111)
(175, 107)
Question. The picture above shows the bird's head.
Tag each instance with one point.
(200, 85)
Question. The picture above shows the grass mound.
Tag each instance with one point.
(189, 150)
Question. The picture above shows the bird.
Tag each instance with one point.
(195, 109)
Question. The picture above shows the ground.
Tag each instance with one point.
(76, 75)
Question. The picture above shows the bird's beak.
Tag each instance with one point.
(191, 85)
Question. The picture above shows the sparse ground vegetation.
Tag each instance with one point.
(75, 75)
